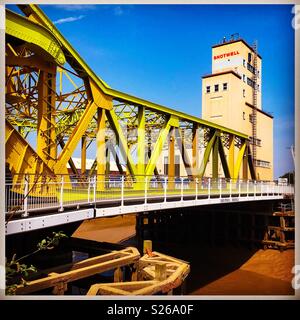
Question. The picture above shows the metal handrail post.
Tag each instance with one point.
(146, 190)
(89, 189)
(181, 189)
(61, 194)
(26, 189)
(209, 186)
(122, 191)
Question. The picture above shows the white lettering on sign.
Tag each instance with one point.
(226, 55)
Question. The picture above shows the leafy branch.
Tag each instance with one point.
(16, 272)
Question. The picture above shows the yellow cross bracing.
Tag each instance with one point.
(53, 93)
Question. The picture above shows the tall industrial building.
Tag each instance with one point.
(231, 97)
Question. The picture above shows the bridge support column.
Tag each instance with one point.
(101, 161)
(231, 155)
(83, 155)
(46, 145)
(215, 163)
(195, 151)
(245, 165)
(141, 150)
(171, 166)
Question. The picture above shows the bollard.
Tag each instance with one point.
(147, 248)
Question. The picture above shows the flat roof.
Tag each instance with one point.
(221, 73)
(233, 41)
(259, 110)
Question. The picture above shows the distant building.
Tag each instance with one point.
(228, 99)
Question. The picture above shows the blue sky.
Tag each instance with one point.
(160, 52)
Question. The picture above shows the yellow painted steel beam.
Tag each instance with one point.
(159, 146)
(171, 159)
(251, 165)
(239, 160)
(73, 140)
(206, 154)
(245, 164)
(184, 155)
(35, 35)
(141, 142)
(46, 137)
(20, 156)
(215, 158)
(195, 151)
(33, 62)
(115, 125)
(101, 150)
(231, 155)
(80, 65)
(224, 160)
(83, 155)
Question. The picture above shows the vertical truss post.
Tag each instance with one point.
(171, 169)
(195, 151)
(254, 188)
(46, 145)
(215, 159)
(146, 186)
(245, 164)
(101, 161)
(239, 160)
(89, 189)
(26, 189)
(83, 155)
(107, 156)
(95, 187)
(231, 155)
(122, 190)
(140, 148)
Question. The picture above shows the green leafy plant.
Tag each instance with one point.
(16, 272)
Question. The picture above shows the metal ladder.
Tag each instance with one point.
(254, 110)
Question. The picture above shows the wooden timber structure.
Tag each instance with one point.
(150, 274)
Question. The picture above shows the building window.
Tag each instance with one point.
(244, 62)
(258, 87)
(244, 115)
(225, 86)
(208, 89)
(249, 57)
(244, 78)
(257, 73)
(250, 68)
(256, 141)
(262, 163)
(250, 120)
(250, 82)
(244, 93)
(216, 87)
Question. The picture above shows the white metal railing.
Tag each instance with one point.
(32, 194)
